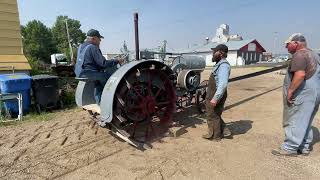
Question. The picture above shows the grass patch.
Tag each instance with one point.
(34, 117)
(46, 116)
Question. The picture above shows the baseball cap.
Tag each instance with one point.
(93, 32)
(297, 37)
(220, 47)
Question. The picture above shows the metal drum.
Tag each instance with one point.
(191, 62)
(188, 79)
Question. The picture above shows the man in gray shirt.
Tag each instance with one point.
(91, 63)
(301, 95)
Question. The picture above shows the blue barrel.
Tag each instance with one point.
(16, 83)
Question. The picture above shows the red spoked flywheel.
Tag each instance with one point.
(142, 96)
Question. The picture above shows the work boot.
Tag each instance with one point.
(226, 132)
(216, 130)
(282, 152)
(210, 130)
(304, 152)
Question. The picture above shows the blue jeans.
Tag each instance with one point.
(101, 79)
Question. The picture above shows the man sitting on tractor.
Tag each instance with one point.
(91, 63)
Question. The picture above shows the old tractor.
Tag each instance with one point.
(142, 93)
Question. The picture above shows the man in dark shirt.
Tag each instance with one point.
(301, 93)
(91, 63)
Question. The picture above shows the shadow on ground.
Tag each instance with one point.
(190, 119)
(239, 127)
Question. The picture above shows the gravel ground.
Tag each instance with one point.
(71, 146)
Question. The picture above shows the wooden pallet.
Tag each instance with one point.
(95, 108)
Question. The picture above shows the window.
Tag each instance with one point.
(252, 47)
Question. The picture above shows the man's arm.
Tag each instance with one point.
(297, 79)
(223, 78)
(100, 59)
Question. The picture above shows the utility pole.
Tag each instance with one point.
(164, 46)
(275, 42)
(163, 50)
(70, 47)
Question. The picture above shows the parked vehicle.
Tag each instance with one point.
(61, 66)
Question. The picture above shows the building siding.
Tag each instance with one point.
(259, 48)
(4, 16)
(10, 33)
(250, 57)
(9, 8)
(232, 58)
(11, 51)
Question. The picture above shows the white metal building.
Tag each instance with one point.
(241, 52)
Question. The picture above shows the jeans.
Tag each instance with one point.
(101, 79)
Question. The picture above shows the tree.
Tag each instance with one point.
(125, 52)
(38, 42)
(60, 34)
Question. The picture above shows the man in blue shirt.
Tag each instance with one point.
(91, 63)
(217, 94)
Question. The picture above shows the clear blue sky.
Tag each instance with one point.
(183, 22)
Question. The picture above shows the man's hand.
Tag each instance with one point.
(290, 96)
(213, 102)
(297, 79)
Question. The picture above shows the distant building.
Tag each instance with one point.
(317, 51)
(267, 56)
(111, 55)
(241, 52)
(11, 52)
(223, 35)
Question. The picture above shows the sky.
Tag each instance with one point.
(183, 23)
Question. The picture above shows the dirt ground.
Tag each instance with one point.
(71, 146)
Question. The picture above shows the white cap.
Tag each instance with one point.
(298, 37)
